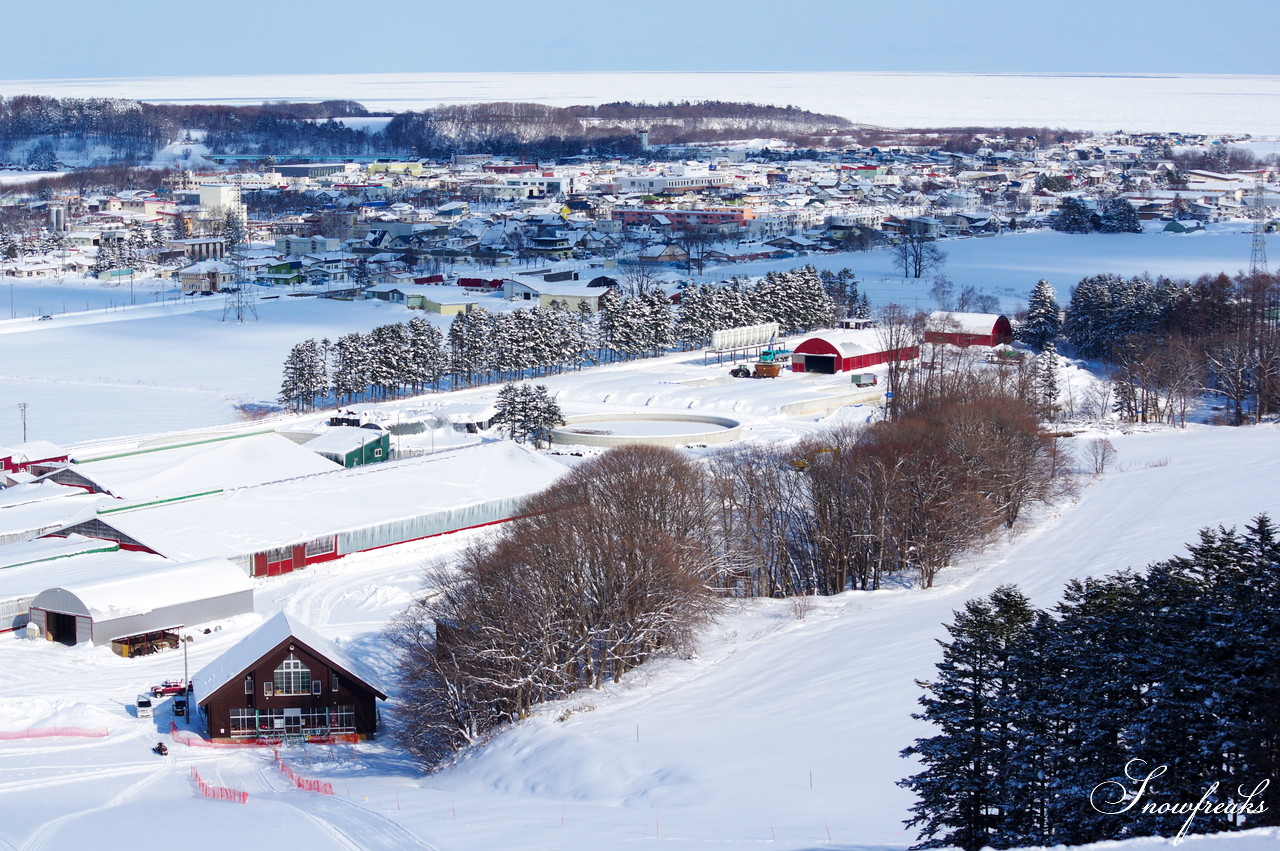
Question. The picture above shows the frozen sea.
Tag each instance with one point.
(1188, 103)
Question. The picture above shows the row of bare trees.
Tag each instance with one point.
(898, 500)
(631, 552)
(607, 567)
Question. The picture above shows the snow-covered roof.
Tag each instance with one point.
(29, 579)
(33, 450)
(202, 467)
(343, 439)
(263, 640)
(556, 288)
(33, 517)
(40, 550)
(254, 519)
(34, 491)
(962, 323)
(206, 266)
(851, 343)
(113, 595)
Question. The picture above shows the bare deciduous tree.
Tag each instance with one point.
(1098, 453)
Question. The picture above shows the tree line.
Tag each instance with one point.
(1167, 342)
(1047, 722)
(402, 359)
(634, 549)
(133, 130)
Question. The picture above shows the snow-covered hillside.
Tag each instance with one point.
(782, 727)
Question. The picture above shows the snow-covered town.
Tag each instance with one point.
(474, 220)
(556, 472)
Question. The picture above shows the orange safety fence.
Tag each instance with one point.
(322, 786)
(51, 732)
(218, 793)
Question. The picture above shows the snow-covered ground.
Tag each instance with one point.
(1190, 103)
(785, 726)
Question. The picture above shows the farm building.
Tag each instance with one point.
(571, 293)
(284, 526)
(31, 509)
(197, 467)
(844, 351)
(352, 446)
(284, 681)
(29, 567)
(968, 329)
(22, 456)
(117, 604)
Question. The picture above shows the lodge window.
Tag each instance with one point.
(315, 686)
(292, 677)
(248, 685)
(333, 682)
(279, 554)
(243, 721)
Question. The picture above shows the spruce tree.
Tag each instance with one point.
(1119, 216)
(1044, 320)
(1074, 216)
(961, 797)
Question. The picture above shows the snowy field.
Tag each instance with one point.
(122, 361)
(1191, 103)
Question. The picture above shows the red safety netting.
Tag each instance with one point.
(218, 793)
(50, 732)
(322, 786)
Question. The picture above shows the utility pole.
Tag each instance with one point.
(22, 406)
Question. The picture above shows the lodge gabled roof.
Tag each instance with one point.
(274, 632)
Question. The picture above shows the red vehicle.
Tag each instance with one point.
(169, 687)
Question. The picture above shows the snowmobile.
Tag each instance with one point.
(160, 749)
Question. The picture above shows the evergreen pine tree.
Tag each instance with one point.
(961, 798)
(1119, 216)
(426, 359)
(352, 367)
(1074, 216)
(1044, 320)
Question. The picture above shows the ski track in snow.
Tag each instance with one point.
(351, 826)
(41, 838)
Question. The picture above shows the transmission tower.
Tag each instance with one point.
(240, 303)
(1258, 212)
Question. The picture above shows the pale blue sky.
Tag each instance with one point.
(167, 38)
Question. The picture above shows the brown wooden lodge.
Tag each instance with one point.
(286, 683)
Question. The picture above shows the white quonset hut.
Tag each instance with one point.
(29, 567)
(156, 599)
(284, 526)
